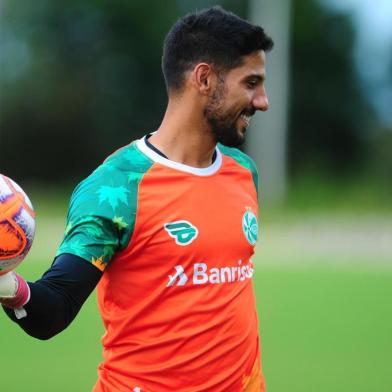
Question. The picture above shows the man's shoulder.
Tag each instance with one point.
(239, 156)
(242, 159)
(122, 170)
(127, 159)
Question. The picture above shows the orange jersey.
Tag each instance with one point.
(176, 297)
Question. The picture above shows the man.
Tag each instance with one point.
(167, 226)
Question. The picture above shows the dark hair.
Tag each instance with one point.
(213, 35)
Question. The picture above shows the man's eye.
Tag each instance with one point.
(251, 83)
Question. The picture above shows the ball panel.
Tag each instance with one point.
(18, 192)
(11, 240)
(17, 224)
(5, 190)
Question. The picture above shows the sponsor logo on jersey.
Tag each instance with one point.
(178, 277)
(250, 227)
(203, 275)
(182, 231)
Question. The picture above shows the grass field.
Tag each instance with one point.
(324, 303)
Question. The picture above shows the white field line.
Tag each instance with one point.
(333, 240)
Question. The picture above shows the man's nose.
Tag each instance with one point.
(260, 101)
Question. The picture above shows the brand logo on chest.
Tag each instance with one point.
(182, 231)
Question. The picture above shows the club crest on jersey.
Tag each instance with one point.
(182, 231)
(250, 227)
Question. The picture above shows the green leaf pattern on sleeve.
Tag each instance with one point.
(113, 195)
(102, 210)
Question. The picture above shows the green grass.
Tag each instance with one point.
(322, 329)
(325, 329)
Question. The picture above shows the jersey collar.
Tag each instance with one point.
(205, 171)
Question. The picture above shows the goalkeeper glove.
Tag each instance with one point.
(14, 292)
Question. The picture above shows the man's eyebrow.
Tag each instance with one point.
(256, 77)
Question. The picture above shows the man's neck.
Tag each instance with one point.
(183, 136)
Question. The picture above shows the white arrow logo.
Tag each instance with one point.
(180, 275)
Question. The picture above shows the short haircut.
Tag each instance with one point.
(214, 36)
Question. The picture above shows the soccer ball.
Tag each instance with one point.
(17, 224)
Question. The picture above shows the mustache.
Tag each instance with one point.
(249, 111)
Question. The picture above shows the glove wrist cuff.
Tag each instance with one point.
(21, 297)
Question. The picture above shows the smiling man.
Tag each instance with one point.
(166, 227)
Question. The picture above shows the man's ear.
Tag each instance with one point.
(203, 78)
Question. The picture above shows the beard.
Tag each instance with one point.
(224, 123)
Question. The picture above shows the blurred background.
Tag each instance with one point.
(79, 79)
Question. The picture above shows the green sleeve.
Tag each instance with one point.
(244, 160)
(102, 209)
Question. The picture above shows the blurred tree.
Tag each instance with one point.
(329, 116)
(80, 79)
(91, 83)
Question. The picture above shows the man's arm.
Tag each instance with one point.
(57, 297)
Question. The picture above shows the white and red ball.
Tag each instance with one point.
(17, 224)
